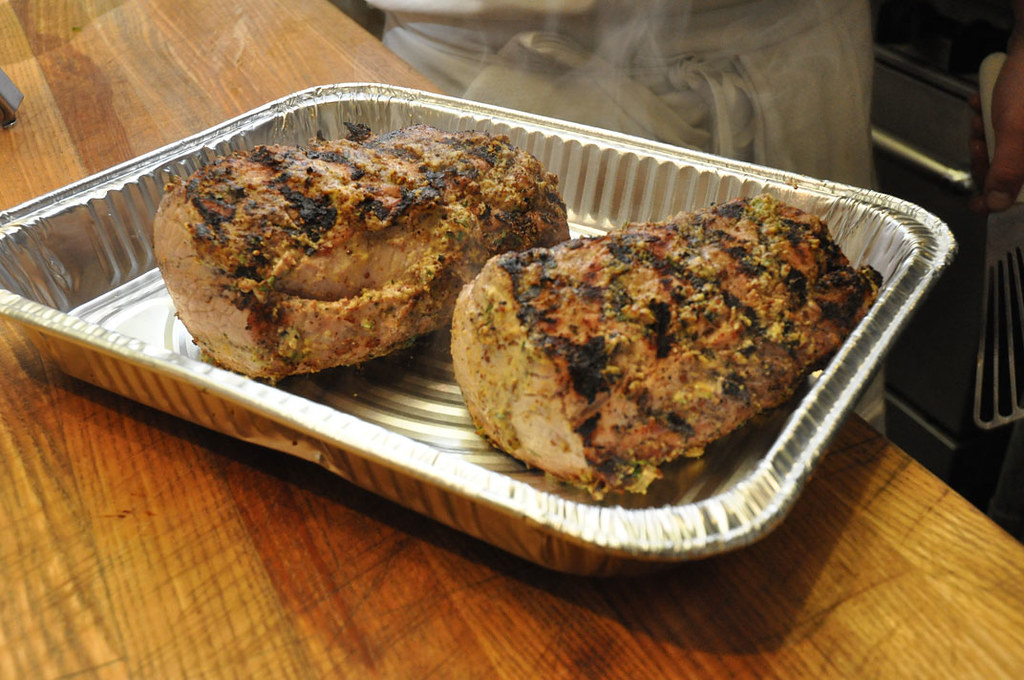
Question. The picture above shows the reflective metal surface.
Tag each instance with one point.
(10, 100)
(79, 275)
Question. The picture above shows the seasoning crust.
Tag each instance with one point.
(600, 359)
(284, 260)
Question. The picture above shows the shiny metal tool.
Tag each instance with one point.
(10, 100)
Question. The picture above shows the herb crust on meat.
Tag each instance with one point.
(285, 260)
(599, 359)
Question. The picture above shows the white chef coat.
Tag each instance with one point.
(783, 83)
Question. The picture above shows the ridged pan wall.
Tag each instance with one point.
(79, 275)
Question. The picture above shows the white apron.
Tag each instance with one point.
(783, 83)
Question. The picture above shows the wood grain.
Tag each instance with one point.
(136, 545)
(107, 81)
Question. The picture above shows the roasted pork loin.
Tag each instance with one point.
(285, 260)
(601, 358)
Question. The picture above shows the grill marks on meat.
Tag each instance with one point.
(285, 260)
(599, 359)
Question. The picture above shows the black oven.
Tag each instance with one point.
(927, 56)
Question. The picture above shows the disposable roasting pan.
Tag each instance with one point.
(77, 271)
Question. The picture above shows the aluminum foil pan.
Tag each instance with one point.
(77, 271)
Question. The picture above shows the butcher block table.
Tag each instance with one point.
(137, 545)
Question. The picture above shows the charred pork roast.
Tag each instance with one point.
(285, 260)
(598, 359)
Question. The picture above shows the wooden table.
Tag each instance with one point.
(133, 544)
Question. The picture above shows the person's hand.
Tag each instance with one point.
(1000, 179)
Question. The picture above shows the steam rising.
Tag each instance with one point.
(784, 83)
